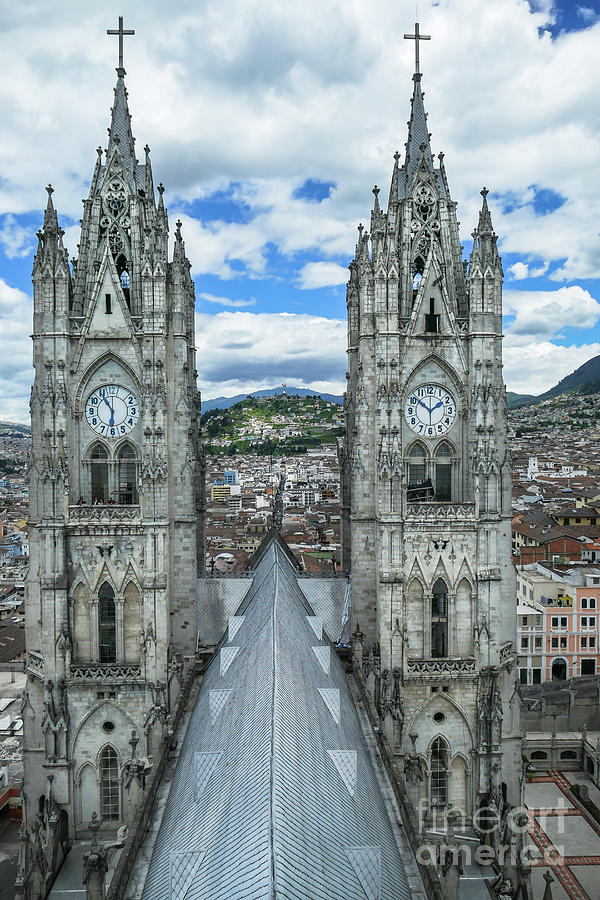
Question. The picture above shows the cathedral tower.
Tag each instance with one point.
(427, 487)
(115, 501)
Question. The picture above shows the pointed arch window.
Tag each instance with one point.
(109, 786)
(443, 473)
(418, 269)
(128, 475)
(99, 467)
(417, 464)
(439, 619)
(439, 773)
(107, 624)
(123, 273)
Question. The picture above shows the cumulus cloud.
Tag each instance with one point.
(16, 372)
(225, 301)
(535, 366)
(321, 274)
(15, 240)
(255, 96)
(547, 313)
(242, 351)
(521, 270)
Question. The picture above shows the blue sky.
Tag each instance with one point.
(269, 126)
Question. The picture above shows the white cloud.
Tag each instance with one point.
(521, 270)
(16, 371)
(225, 301)
(321, 274)
(281, 101)
(546, 313)
(15, 239)
(536, 366)
(241, 352)
(588, 15)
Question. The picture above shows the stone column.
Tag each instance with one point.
(94, 631)
(120, 637)
(453, 625)
(427, 599)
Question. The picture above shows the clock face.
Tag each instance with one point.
(112, 410)
(430, 410)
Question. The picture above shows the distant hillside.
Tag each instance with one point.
(584, 380)
(516, 400)
(14, 428)
(273, 424)
(226, 402)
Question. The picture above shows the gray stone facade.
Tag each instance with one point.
(427, 486)
(116, 497)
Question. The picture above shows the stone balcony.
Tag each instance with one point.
(442, 668)
(34, 664)
(105, 671)
(441, 513)
(104, 512)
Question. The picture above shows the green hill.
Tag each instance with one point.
(278, 425)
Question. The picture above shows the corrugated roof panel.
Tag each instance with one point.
(273, 790)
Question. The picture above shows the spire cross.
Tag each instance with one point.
(416, 37)
(120, 31)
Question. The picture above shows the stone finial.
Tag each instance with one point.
(484, 192)
(50, 190)
(396, 156)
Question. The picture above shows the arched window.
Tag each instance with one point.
(109, 786)
(418, 269)
(128, 492)
(439, 773)
(439, 619)
(443, 473)
(99, 466)
(107, 624)
(123, 273)
(419, 487)
(559, 669)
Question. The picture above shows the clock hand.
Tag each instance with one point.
(439, 403)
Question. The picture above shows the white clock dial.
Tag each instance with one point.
(430, 410)
(112, 410)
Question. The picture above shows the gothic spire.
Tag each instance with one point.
(484, 237)
(418, 135)
(50, 217)
(120, 126)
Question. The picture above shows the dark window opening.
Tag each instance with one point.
(559, 670)
(123, 274)
(539, 754)
(419, 487)
(432, 319)
(107, 624)
(443, 473)
(108, 300)
(128, 492)
(439, 620)
(99, 464)
(588, 666)
(418, 269)
(537, 676)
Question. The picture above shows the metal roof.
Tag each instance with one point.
(274, 794)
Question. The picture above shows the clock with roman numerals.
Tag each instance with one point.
(430, 410)
(112, 410)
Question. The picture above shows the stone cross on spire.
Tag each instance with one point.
(120, 31)
(416, 37)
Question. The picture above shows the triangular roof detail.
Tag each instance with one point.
(288, 795)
